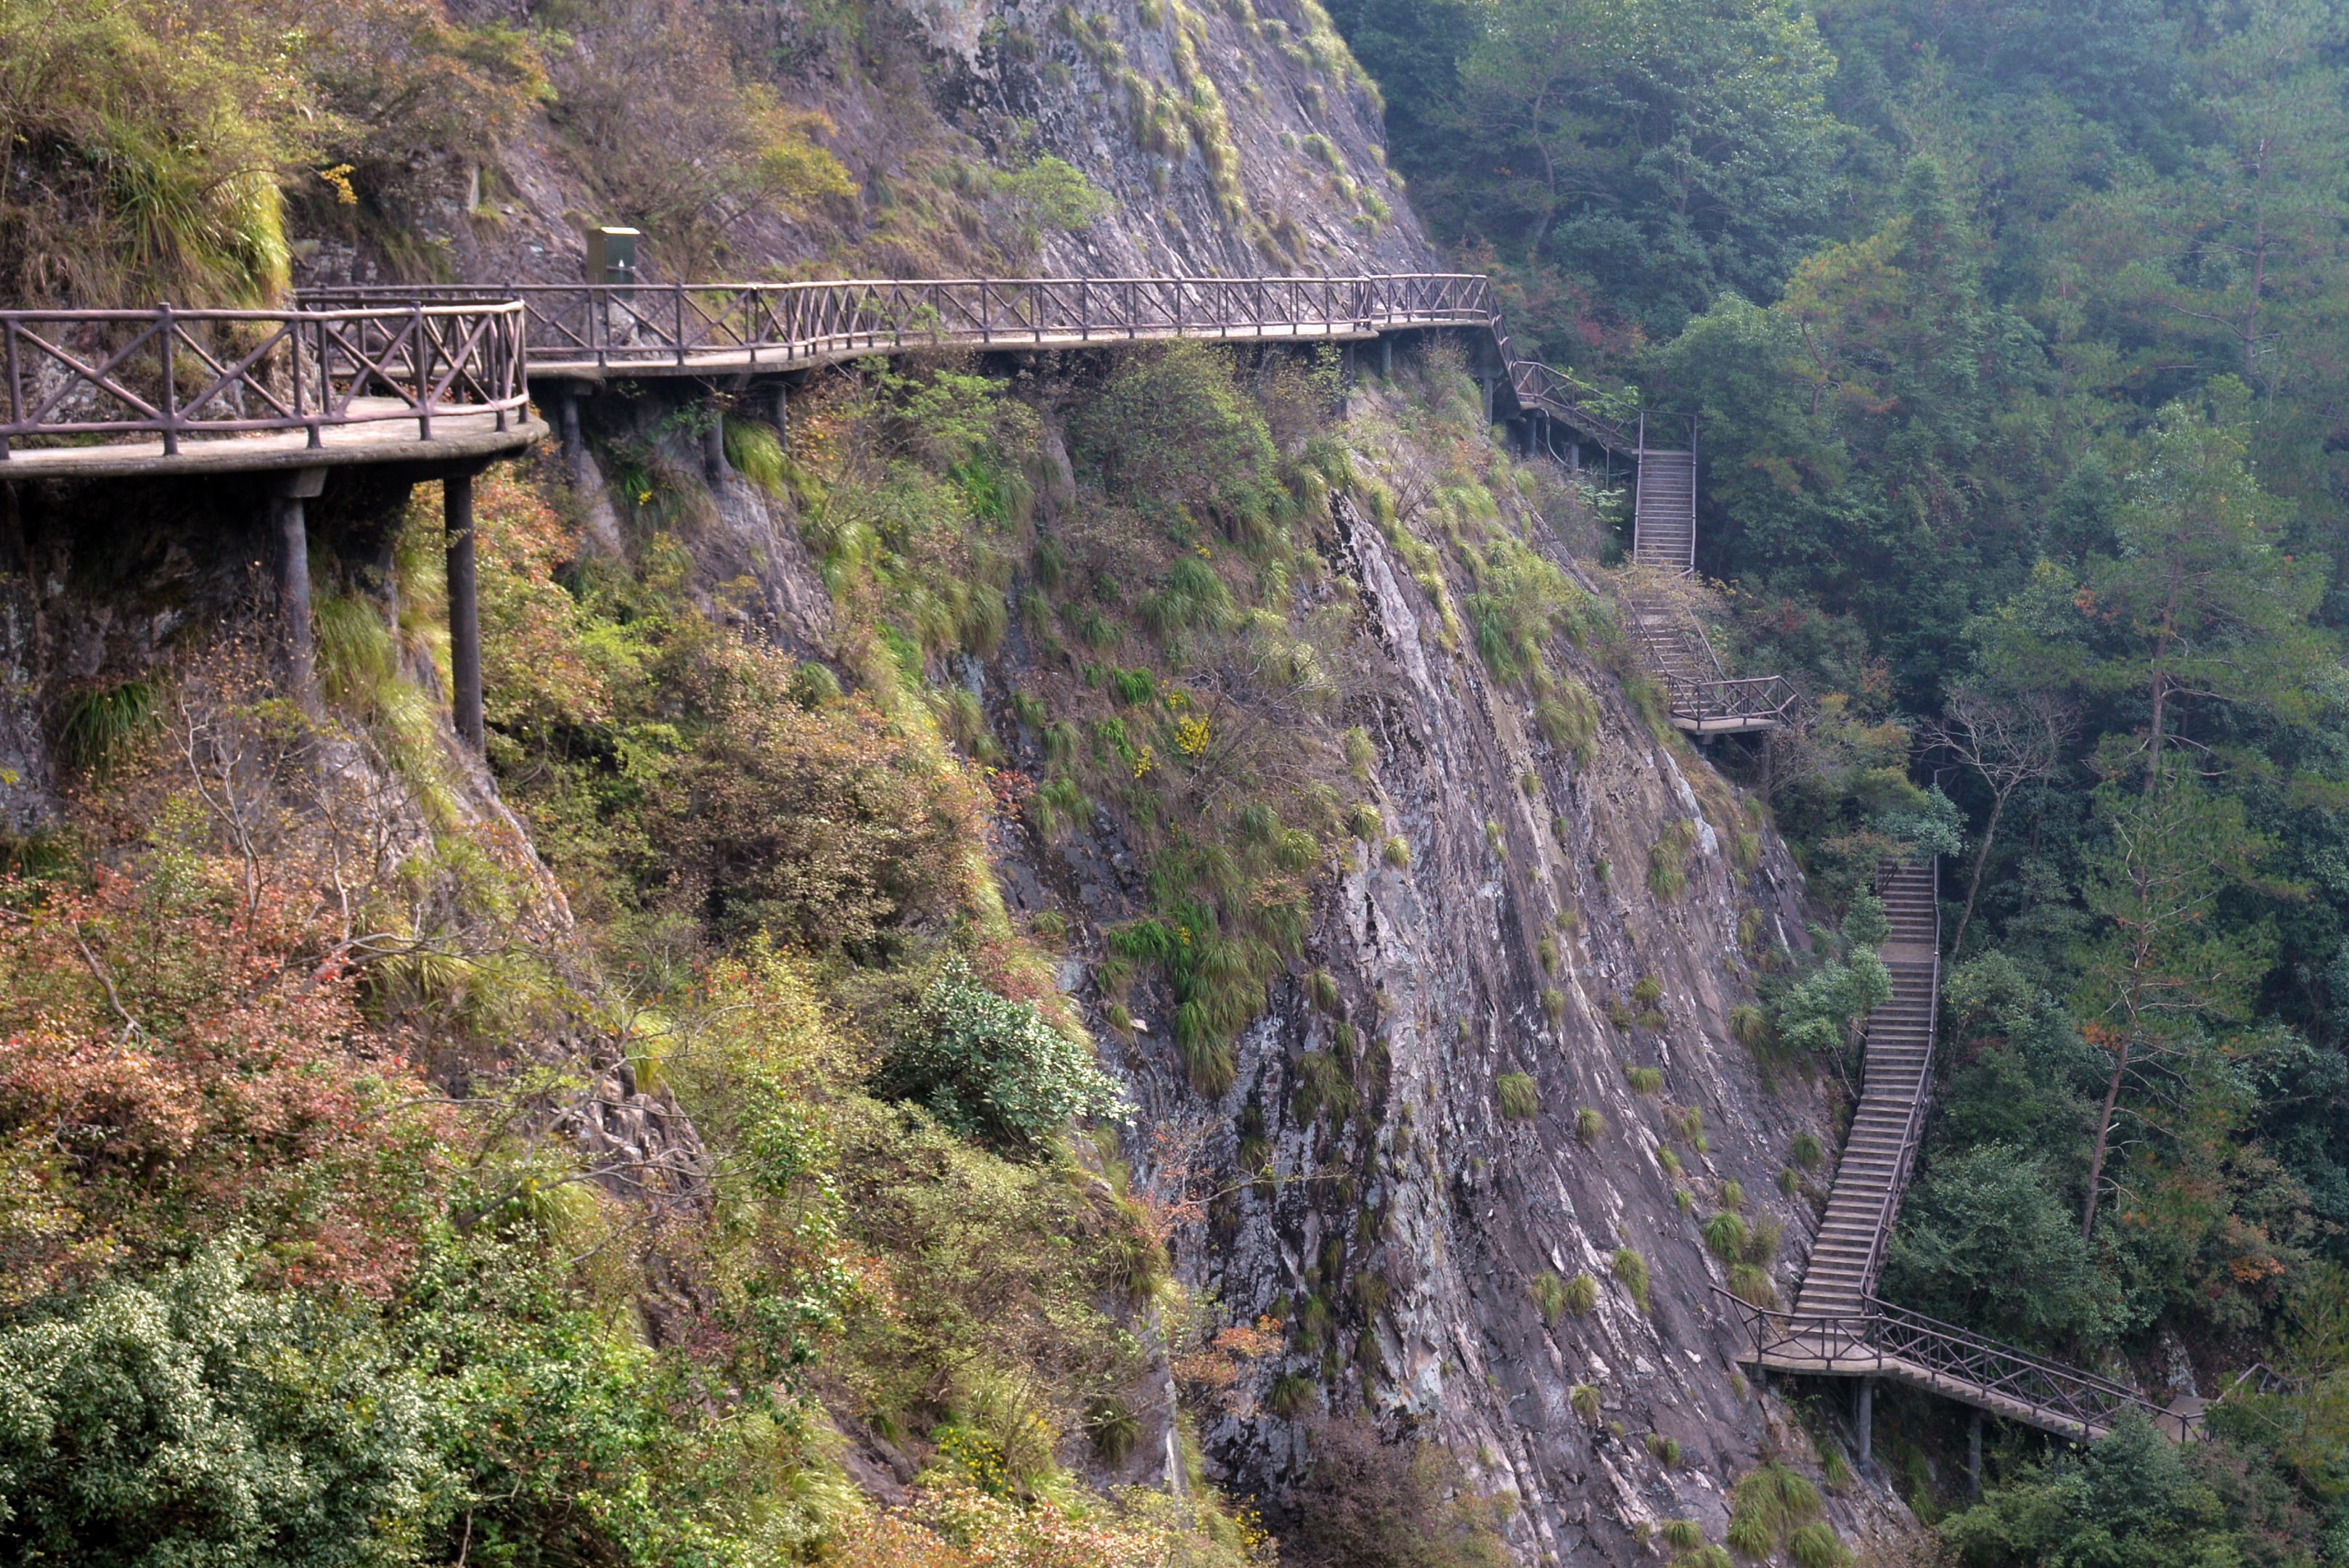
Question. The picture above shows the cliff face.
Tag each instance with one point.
(1232, 139)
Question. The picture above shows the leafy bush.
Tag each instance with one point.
(192, 1418)
(991, 1069)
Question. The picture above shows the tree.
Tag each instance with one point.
(2162, 967)
(2010, 741)
(1986, 1239)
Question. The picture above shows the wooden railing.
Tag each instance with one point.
(72, 375)
(1889, 1341)
(671, 328)
(1749, 699)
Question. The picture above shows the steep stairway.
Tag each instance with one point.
(1895, 1080)
(1663, 511)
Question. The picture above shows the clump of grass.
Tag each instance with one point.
(1807, 1150)
(1665, 1451)
(1545, 950)
(1816, 1546)
(1733, 1194)
(1769, 1504)
(1360, 753)
(103, 725)
(1112, 1427)
(1585, 1400)
(1323, 986)
(1548, 1293)
(1645, 1080)
(1589, 1125)
(1520, 1097)
(1789, 1182)
(1365, 823)
(1292, 1394)
(1631, 1272)
(1681, 1534)
(1647, 991)
(1397, 853)
(1670, 1160)
(1322, 1083)
(1690, 1122)
(1751, 1286)
(1833, 1468)
(1749, 1025)
(1725, 1236)
(1582, 1294)
(1553, 1005)
(1668, 859)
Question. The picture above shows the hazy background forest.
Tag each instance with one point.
(2015, 338)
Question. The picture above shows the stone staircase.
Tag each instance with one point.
(1663, 511)
(1897, 1078)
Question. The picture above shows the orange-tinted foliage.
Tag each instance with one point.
(175, 1060)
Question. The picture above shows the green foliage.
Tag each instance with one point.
(1048, 194)
(2134, 1497)
(1171, 429)
(1645, 1080)
(1589, 1125)
(1548, 1293)
(992, 1069)
(1665, 1451)
(1725, 1236)
(193, 1417)
(1586, 1401)
(1520, 1100)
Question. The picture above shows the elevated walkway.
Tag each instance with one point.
(1839, 1327)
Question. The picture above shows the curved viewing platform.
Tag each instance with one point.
(88, 394)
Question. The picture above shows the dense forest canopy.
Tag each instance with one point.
(2017, 344)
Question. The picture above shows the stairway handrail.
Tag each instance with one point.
(1912, 1133)
(1860, 1343)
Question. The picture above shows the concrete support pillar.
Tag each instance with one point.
(784, 413)
(1974, 1456)
(1488, 399)
(1574, 456)
(1346, 363)
(1864, 1402)
(464, 608)
(575, 444)
(290, 523)
(1386, 357)
(713, 446)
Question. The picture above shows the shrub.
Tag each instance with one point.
(1520, 1098)
(830, 829)
(1582, 1294)
(991, 1069)
(194, 1419)
(1632, 1271)
(1645, 1080)
(1588, 1125)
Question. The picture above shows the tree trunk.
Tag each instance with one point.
(1973, 887)
(2104, 1130)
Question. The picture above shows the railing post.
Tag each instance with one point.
(464, 608)
(677, 300)
(171, 410)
